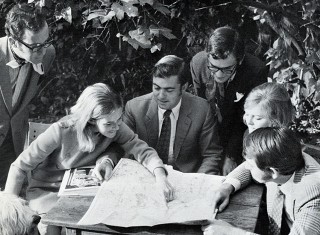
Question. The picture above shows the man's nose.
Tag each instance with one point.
(162, 93)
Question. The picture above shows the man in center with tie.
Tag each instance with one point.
(179, 125)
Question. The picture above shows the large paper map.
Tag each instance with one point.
(132, 198)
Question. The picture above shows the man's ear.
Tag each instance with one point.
(274, 173)
(12, 42)
(185, 86)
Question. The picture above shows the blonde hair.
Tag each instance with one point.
(16, 217)
(95, 101)
(275, 100)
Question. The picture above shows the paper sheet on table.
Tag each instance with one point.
(132, 198)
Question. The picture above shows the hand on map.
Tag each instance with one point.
(103, 170)
(163, 184)
(222, 196)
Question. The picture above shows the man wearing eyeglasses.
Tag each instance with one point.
(224, 74)
(26, 53)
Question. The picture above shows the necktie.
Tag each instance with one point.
(164, 139)
(275, 213)
(215, 95)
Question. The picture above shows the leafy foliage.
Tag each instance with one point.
(291, 28)
(118, 42)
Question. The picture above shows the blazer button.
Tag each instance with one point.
(57, 166)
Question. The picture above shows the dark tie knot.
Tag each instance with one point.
(167, 113)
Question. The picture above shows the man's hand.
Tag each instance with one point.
(103, 170)
(228, 166)
(222, 196)
(163, 184)
(222, 228)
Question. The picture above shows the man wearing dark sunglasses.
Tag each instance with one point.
(224, 74)
(26, 53)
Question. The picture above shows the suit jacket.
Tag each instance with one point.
(196, 145)
(251, 73)
(18, 120)
(306, 195)
(57, 150)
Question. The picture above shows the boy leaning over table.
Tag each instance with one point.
(274, 157)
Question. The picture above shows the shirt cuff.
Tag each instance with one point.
(234, 182)
(108, 160)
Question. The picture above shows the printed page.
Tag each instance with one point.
(79, 181)
(132, 198)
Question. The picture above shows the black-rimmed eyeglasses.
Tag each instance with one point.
(36, 46)
(227, 70)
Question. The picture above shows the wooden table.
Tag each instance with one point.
(242, 212)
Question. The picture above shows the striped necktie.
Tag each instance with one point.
(164, 138)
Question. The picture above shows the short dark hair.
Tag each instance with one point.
(275, 147)
(21, 17)
(225, 41)
(170, 65)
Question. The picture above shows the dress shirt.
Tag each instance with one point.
(287, 190)
(173, 118)
(37, 67)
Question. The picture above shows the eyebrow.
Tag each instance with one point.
(166, 88)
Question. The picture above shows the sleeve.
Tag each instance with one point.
(113, 153)
(131, 144)
(239, 177)
(210, 149)
(30, 158)
(199, 87)
(307, 220)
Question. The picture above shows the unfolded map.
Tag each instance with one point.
(131, 198)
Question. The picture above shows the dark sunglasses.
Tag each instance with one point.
(36, 46)
(227, 70)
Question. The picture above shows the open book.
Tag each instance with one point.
(79, 181)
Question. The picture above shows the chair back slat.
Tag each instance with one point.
(35, 129)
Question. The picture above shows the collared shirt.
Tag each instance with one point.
(37, 67)
(16, 62)
(287, 189)
(174, 118)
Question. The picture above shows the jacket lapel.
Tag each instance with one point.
(183, 125)
(5, 84)
(152, 123)
(30, 90)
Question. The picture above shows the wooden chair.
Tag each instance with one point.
(35, 129)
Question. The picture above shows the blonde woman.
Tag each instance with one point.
(267, 105)
(80, 139)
